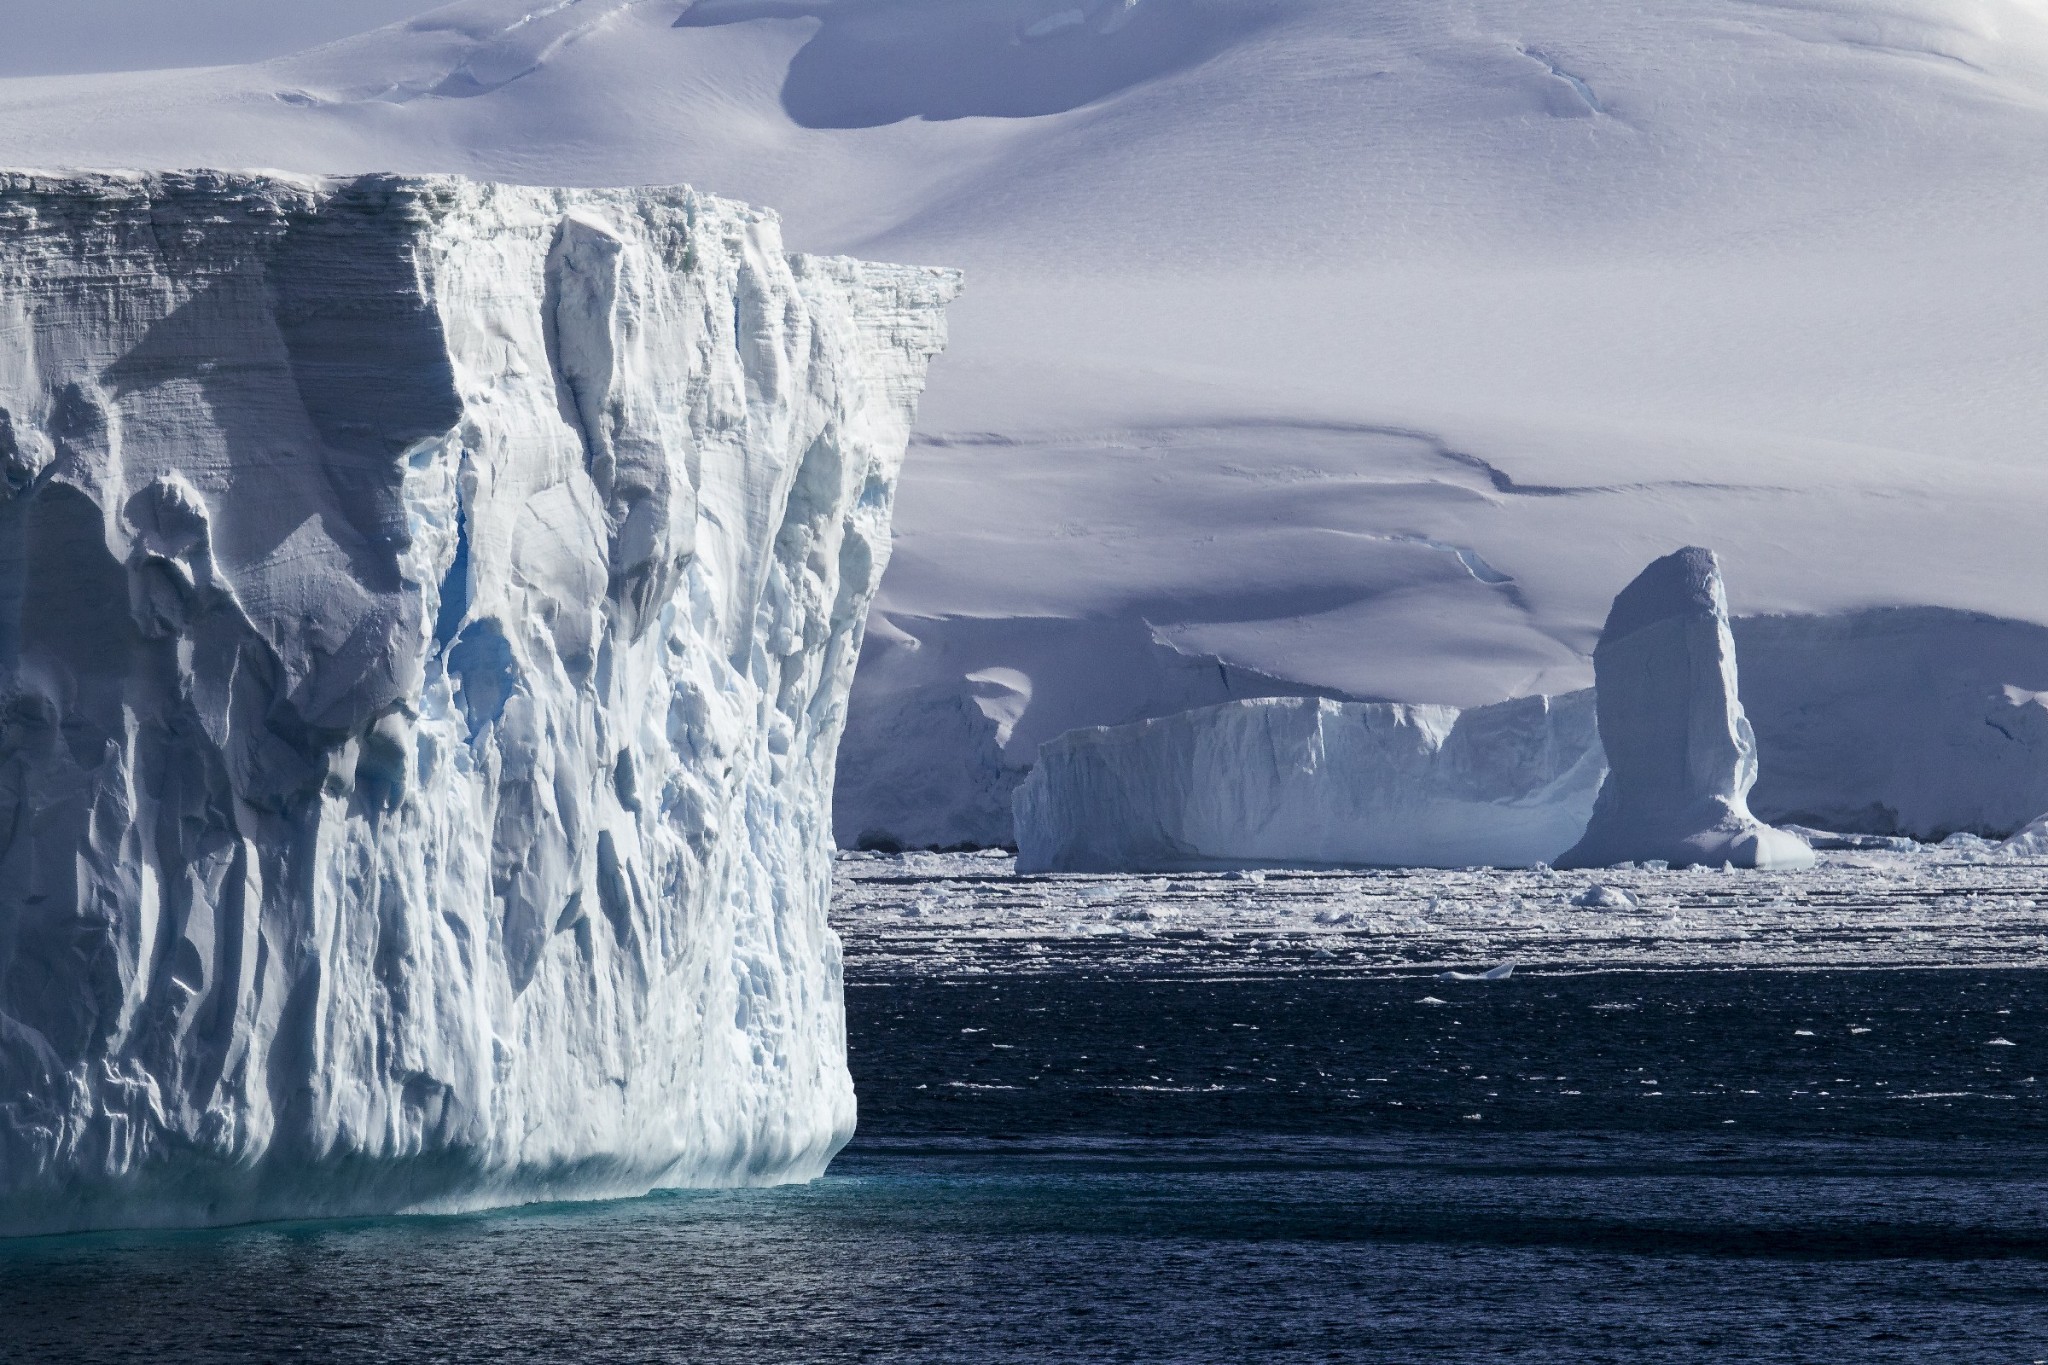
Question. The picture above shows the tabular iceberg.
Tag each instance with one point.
(1680, 752)
(1897, 720)
(428, 613)
(1305, 781)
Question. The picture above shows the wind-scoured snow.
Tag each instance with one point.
(427, 610)
(1293, 782)
(1361, 347)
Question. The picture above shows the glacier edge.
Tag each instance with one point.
(427, 610)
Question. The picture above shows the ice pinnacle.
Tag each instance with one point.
(1681, 757)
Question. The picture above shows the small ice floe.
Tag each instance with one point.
(2001, 1042)
(1802, 1033)
(1431, 1000)
(1835, 841)
(1500, 973)
(1601, 897)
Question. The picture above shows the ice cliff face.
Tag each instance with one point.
(1308, 781)
(1904, 720)
(1681, 754)
(426, 615)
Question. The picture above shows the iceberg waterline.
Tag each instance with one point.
(428, 613)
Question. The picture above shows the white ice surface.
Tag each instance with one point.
(1307, 782)
(1681, 757)
(1920, 722)
(955, 917)
(2030, 842)
(427, 610)
(1359, 346)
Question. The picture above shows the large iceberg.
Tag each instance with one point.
(1306, 781)
(947, 715)
(428, 613)
(1680, 751)
(1898, 720)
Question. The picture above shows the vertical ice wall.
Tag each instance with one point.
(426, 615)
(1681, 756)
(1301, 780)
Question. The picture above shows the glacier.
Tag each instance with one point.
(1313, 782)
(427, 611)
(1681, 754)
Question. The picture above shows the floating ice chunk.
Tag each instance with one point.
(1680, 753)
(1500, 973)
(1431, 1000)
(1601, 897)
(1818, 839)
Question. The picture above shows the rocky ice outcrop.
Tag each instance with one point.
(1681, 757)
(1303, 781)
(426, 615)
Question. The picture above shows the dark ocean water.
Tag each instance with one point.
(1667, 1166)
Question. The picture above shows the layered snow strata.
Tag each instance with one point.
(1680, 751)
(1304, 781)
(426, 615)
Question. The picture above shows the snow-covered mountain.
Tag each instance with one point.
(1309, 345)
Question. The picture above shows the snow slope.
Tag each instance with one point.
(427, 610)
(1366, 348)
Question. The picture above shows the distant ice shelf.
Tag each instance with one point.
(427, 609)
(1291, 781)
